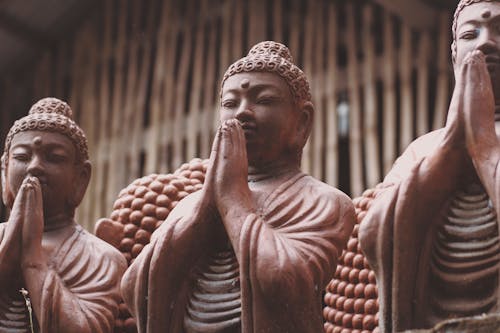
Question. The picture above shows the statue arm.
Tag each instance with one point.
(479, 113)
(158, 272)
(83, 294)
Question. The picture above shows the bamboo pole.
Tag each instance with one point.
(194, 125)
(355, 135)
(309, 42)
(141, 95)
(389, 100)
(257, 21)
(180, 95)
(405, 70)
(116, 154)
(104, 105)
(152, 162)
(423, 84)
(211, 96)
(318, 134)
(370, 128)
(168, 100)
(278, 21)
(331, 167)
(443, 54)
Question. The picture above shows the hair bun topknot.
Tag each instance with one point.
(52, 105)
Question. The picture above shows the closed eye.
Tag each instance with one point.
(21, 157)
(229, 103)
(469, 34)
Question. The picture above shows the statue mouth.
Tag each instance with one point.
(249, 129)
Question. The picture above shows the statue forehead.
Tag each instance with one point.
(42, 138)
(247, 80)
(479, 10)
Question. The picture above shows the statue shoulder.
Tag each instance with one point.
(321, 191)
(102, 249)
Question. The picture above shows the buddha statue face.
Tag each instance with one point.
(265, 108)
(53, 159)
(478, 28)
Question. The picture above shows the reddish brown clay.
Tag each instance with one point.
(254, 248)
(351, 298)
(69, 278)
(431, 235)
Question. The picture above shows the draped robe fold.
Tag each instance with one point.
(289, 250)
(80, 293)
(397, 236)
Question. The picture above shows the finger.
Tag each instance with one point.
(241, 141)
(213, 157)
(227, 140)
(33, 213)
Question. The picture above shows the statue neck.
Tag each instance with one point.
(275, 169)
(57, 222)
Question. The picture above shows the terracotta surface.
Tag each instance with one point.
(132, 222)
(254, 248)
(431, 235)
(69, 278)
(351, 298)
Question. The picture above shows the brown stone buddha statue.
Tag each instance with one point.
(252, 250)
(69, 278)
(432, 236)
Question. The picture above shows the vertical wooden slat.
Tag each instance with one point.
(389, 100)
(116, 154)
(277, 21)
(331, 99)
(370, 101)
(180, 93)
(257, 21)
(194, 125)
(309, 42)
(423, 84)
(318, 92)
(158, 90)
(211, 96)
(104, 105)
(355, 143)
(405, 69)
(441, 106)
(139, 105)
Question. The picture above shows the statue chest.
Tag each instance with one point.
(214, 303)
(465, 257)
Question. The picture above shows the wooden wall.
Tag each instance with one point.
(143, 80)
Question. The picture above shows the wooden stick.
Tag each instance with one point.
(211, 96)
(331, 167)
(389, 101)
(180, 95)
(157, 107)
(104, 106)
(443, 85)
(257, 23)
(370, 102)
(355, 135)
(307, 160)
(423, 84)
(194, 126)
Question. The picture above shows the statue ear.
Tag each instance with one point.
(7, 198)
(81, 182)
(305, 122)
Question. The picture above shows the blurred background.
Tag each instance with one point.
(142, 77)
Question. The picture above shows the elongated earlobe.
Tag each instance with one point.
(81, 184)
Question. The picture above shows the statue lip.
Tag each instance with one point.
(249, 128)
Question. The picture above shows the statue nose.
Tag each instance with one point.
(35, 167)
